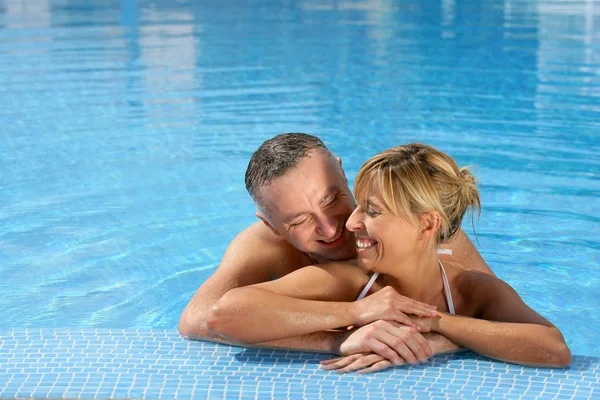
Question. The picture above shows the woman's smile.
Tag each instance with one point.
(363, 244)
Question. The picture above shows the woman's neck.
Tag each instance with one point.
(418, 278)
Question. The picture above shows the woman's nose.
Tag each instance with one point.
(355, 221)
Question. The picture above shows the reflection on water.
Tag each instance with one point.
(127, 127)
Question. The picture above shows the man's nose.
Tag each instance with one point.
(327, 226)
(355, 221)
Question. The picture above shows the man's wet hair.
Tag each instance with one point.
(277, 156)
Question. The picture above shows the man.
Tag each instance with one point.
(303, 202)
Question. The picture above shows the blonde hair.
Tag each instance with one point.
(416, 178)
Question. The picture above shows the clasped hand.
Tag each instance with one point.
(386, 335)
(388, 305)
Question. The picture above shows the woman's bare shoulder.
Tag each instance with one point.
(476, 290)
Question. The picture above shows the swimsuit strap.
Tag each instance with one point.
(447, 290)
(368, 286)
(376, 274)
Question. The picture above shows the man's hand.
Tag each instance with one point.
(395, 342)
(387, 304)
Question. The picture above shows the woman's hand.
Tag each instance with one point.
(397, 343)
(387, 304)
(426, 325)
(364, 363)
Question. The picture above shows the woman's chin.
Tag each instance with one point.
(365, 264)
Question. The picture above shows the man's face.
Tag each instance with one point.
(309, 207)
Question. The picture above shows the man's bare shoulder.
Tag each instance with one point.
(257, 244)
(258, 232)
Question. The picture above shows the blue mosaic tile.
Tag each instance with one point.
(94, 363)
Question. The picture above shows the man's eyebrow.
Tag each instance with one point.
(293, 217)
(330, 190)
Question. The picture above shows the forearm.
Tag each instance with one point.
(440, 344)
(252, 315)
(526, 344)
(319, 342)
(193, 326)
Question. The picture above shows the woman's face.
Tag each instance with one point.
(384, 241)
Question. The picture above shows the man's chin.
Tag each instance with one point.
(342, 254)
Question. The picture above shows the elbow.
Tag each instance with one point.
(185, 327)
(562, 356)
(221, 317)
(192, 325)
(558, 354)
(216, 320)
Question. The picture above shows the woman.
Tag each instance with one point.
(411, 199)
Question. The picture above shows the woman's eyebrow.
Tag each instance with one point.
(372, 202)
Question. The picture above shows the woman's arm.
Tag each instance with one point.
(312, 299)
(506, 328)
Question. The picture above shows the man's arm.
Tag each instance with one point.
(465, 254)
(256, 255)
(311, 299)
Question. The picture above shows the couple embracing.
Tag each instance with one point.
(385, 280)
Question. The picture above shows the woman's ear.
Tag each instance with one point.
(430, 223)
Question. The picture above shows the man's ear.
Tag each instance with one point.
(267, 223)
(339, 160)
(430, 223)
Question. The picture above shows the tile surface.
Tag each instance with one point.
(102, 363)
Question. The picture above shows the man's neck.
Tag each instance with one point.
(317, 259)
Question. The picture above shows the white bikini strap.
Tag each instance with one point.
(368, 286)
(447, 289)
(376, 274)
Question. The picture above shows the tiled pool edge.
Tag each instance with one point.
(104, 363)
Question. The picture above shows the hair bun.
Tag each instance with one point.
(467, 176)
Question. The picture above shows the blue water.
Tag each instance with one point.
(126, 128)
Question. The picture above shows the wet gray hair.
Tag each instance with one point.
(276, 156)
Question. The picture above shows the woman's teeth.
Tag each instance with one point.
(362, 243)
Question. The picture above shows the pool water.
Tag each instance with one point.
(127, 127)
